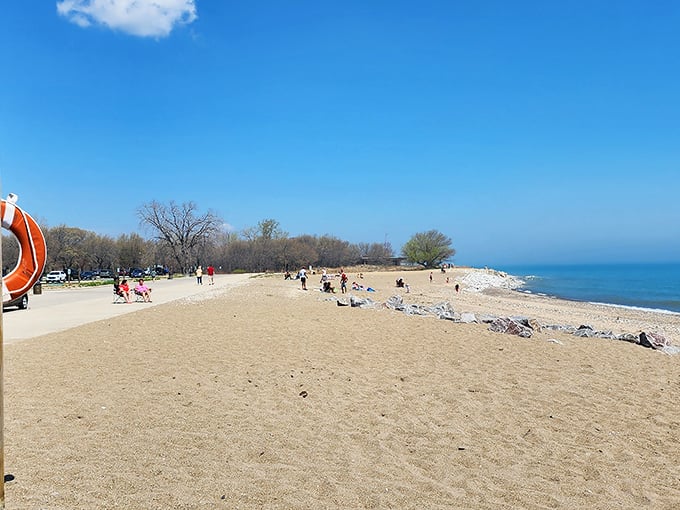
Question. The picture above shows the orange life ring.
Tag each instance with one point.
(32, 250)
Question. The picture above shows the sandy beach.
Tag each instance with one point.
(263, 395)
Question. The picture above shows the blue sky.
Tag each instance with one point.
(528, 132)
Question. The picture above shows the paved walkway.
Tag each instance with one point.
(58, 309)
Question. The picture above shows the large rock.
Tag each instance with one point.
(511, 327)
(535, 325)
(443, 310)
(468, 318)
(395, 303)
(629, 337)
(479, 280)
(358, 302)
(589, 332)
(653, 340)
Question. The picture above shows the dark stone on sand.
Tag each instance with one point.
(510, 327)
(653, 340)
(629, 337)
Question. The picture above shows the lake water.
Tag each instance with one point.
(653, 286)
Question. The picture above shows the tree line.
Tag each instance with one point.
(184, 238)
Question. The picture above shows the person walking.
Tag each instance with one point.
(199, 275)
(343, 282)
(211, 274)
(303, 278)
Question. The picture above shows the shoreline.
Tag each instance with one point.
(597, 303)
(635, 285)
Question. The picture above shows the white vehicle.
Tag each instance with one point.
(55, 277)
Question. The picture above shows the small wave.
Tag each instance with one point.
(639, 308)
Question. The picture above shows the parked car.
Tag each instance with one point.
(55, 277)
(72, 274)
(105, 273)
(135, 272)
(88, 275)
(21, 303)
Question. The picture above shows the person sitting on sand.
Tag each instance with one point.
(400, 282)
(356, 286)
(142, 290)
(124, 290)
(327, 287)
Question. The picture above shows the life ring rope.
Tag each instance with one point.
(32, 250)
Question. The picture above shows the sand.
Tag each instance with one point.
(266, 396)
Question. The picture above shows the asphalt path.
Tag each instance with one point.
(59, 308)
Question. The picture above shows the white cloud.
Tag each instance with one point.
(144, 18)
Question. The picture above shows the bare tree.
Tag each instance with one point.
(10, 252)
(180, 228)
(103, 251)
(132, 249)
(380, 253)
(66, 247)
(333, 252)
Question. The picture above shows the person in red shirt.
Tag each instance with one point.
(124, 290)
(211, 274)
(343, 281)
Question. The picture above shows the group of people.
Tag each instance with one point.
(141, 289)
(211, 275)
(358, 286)
(326, 284)
(403, 285)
